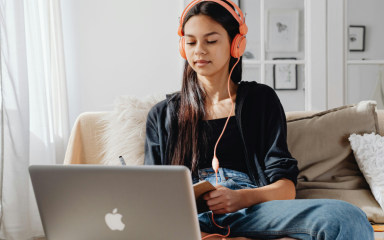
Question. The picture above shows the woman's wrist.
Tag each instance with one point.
(250, 197)
(282, 189)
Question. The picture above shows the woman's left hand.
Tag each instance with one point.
(224, 200)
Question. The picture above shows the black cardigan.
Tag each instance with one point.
(261, 118)
(230, 150)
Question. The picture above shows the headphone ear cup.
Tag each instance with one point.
(181, 48)
(238, 46)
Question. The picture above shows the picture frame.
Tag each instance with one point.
(285, 75)
(356, 38)
(282, 30)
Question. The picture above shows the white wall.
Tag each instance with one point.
(368, 13)
(122, 47)
(362, 79)
(119, 47)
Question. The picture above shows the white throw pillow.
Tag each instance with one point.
(123, 129)
(369, 154)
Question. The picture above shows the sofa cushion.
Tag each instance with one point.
(369, 153)
(123, 129)
(328, 168)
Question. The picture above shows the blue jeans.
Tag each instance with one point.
(306, 219)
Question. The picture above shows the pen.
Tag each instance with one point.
(122, 160)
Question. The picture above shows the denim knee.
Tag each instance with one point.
(338, 219)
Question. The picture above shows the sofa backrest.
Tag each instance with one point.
(83, 143)
(299, 114)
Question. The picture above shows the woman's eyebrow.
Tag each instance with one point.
(208, 34)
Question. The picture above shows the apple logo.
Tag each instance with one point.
(113, 220)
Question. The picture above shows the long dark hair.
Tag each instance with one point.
(188, 138)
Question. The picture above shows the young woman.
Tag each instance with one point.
(256, 193)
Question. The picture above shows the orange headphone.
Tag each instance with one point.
(238, 43)
(237, 50)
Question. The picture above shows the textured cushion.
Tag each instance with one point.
(328, 168)
(124, 130)
(369, 153)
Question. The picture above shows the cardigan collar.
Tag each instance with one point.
(242, 92)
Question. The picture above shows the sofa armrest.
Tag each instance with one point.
(378, 228)
(83, 147)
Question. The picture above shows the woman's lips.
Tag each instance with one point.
(202, 64)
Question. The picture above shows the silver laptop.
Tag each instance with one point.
(115, 202)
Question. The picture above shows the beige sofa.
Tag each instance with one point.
(84, 147)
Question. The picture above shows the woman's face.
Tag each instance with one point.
(205, 39)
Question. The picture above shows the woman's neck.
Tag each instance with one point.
(217, 92)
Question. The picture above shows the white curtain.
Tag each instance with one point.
(34, 107)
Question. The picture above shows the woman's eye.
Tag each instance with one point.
(207, 42)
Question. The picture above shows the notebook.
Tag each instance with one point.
(200, 189)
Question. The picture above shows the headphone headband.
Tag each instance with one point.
(243, 27)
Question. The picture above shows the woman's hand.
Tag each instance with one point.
(224, 200)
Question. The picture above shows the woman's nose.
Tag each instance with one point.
(199, 49)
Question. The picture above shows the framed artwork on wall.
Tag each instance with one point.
(285, 75)
(356, 38)
(282, 30)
